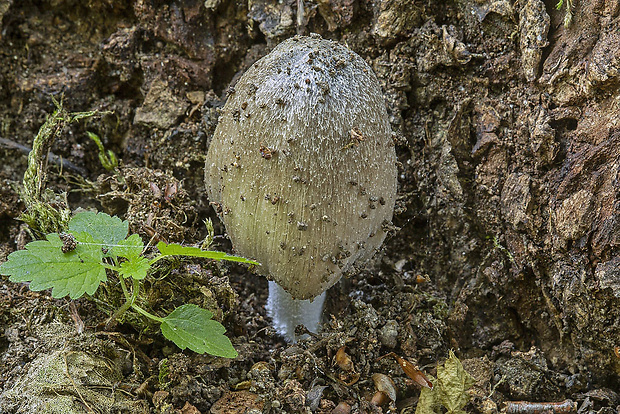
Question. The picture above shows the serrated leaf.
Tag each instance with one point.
(45, 266)
(135, 267)
(453, 382)
(130, 248)
(174, 249)
(103, 228)
(190, 326)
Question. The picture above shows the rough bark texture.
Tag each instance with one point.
(508, 198)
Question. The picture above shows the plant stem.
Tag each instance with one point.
(156, 259)
(131, 302)
(130, 299)
(135, 289)
(147, 314)
(124, 287)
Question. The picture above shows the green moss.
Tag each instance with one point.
(164, 372)
(46, 212)
(107, 158)
(568, 17)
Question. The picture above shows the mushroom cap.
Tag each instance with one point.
(302, 166)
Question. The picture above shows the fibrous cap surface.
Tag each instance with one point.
(302, 165)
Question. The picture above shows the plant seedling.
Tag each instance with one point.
(74, 263)
(568, 17)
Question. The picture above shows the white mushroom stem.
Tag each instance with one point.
(287, 312)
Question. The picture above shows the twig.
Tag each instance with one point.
(75, 315)
(526, 407)
(90, 410)
(51, 157)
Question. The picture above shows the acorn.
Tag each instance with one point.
(302, 165)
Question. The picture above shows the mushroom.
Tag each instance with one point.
(302, 171)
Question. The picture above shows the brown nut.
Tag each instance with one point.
(384, 384)
(379, 398)
(342, 408)
(343, 360)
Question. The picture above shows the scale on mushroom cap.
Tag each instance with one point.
(302, 169)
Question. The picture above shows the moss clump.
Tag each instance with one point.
(46, 212)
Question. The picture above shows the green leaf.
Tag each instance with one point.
(44, 265)
(453, 382)
(135, 267)
(131, 247)
(450, 389)
(102, 227)
(190, 326)
(174, 249)
(428, 404)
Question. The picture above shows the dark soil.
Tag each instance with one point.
(506, 252)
